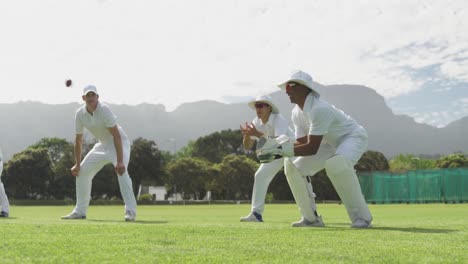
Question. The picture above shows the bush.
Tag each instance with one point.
(115, 198)
(145, 197)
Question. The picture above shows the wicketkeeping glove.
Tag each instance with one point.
(269, 149)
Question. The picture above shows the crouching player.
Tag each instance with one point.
(325, 138)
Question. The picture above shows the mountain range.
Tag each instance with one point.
(24, 123)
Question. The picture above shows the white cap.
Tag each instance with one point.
(264, 99)
(302, 78)
(89, 88)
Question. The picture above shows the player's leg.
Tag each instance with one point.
(5, 205)
(125, 183)
(263, 177)
(296, 174)
(91, 164)
(340, 170)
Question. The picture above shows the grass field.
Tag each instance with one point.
(429, 233)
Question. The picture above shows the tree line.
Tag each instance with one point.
(216, 163)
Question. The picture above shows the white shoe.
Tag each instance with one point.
(361, 223)
(252, 217)
(130, 216)
(74, 215)
(306, 223)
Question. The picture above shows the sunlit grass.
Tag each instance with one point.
(434, 233)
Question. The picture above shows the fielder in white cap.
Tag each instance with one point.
(113, 147)
(4, 204)
(325, 138)
(268, 123)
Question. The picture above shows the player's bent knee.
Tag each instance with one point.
(290, 169)
(337, 165)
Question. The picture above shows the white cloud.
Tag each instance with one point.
(456, 69)
(172, 52)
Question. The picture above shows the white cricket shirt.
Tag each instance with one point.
(275, 126)
(97, 123)
(323, 119)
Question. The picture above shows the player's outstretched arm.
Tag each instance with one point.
(120, 166)
(75, 170)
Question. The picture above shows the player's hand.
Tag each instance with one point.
(120, 168)
(250, 130)
(75, 170)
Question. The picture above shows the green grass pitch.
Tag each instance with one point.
(425, 233)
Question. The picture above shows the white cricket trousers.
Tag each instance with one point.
(5, 205)
(263, 177)
(97, 158)
(351, 148)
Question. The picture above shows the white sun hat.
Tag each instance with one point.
(89, 88)
(264, 99)
(302, 78)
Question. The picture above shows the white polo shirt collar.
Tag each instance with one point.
(85, 111)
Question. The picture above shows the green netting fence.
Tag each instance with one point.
(418, 186)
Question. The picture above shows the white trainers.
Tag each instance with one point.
(130, 216)
(361, 223)
(306, 223)
(74, 215)
(252, 217)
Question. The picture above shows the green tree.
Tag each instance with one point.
(410, 162)
(146, 163)
(186, 151)
(236, 177)
(61, 155)
(56, 148)
(63, 183)
(29, 174)
(216, 146)
(456, 160)
(190, 176)
(105, 184)
(280, 188)
(372, 161)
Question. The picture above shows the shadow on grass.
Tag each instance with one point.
(121, 221)
(415, 230)
(404, 229)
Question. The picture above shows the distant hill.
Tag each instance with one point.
(25, 123)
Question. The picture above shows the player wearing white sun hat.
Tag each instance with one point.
(325, 138)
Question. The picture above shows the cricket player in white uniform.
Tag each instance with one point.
(325, 138)
(113, 147)
(268, 123)
(5, 205)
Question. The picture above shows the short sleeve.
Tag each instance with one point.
(320, 121)
(109, 118)
(78, 124)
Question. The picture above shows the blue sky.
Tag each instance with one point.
(414, 53)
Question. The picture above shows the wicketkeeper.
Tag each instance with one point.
(268, 123)
(325, 138)
(5, 205)
(113, 147)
